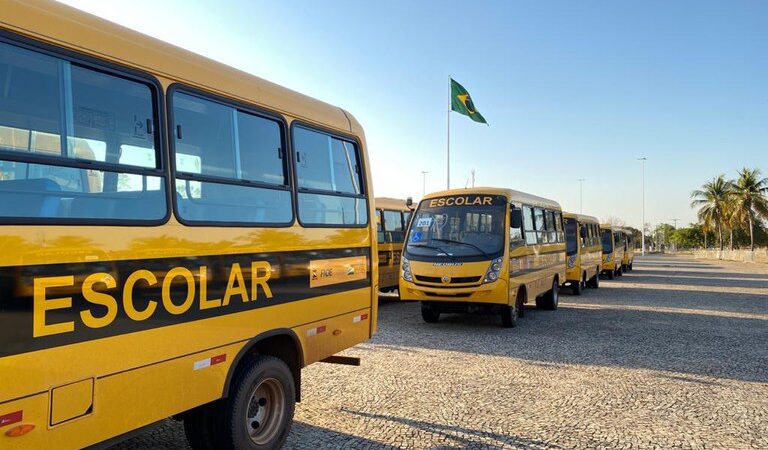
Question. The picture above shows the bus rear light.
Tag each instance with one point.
(359, 318)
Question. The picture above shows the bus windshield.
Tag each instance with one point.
(571, 237)
(458, 226)
(607, 242)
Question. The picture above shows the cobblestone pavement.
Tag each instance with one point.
(672, 355)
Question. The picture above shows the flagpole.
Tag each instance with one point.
(448, 139)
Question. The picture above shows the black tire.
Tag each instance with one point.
(596, 285)
(520, 303)
(509, 316)
(551, 299)
(577, 287)
(265, 386)
(594, 282)
(611, 274)
(620, 271)
(630, 266)
(429, 313)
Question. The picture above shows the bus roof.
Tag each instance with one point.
(511, 194)
(580, 217)
(390, 203)
(608, 226)
(59, 24)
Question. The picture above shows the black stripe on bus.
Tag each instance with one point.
(289, 282)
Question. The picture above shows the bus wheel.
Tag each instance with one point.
(509, 316)
(520, 303)
(594, 282)
(630, 266)
(577, 287)
(611, 274)
(260, 410)
(429, 313)
(552, 297)
(619, 271)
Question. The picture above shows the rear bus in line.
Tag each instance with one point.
(392, 217)
(613, 250)
(582, 252)
(629, 250)
(485, 250)
(179, 238)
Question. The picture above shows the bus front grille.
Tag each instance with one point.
(456, 280)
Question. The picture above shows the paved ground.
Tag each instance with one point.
(672, 355)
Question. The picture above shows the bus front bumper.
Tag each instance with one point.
(496, 292)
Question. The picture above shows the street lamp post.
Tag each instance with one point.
(424, 183)
(642, 228)
(581, 196)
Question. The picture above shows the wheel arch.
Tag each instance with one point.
(522, 288)
(282, 343)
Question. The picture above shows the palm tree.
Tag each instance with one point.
(749, 199)
(712, 201)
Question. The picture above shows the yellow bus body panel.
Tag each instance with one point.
(142, 376)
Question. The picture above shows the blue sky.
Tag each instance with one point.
(570, 89)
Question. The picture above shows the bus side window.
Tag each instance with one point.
(530, 231)
(393, 224)
(228, 169)
(330, 181)
(559, 227)
(549, 226)
(538, 223)
(90, 130)
(379, 227)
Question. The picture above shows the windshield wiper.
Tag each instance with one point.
(463, 243)
(433, 247)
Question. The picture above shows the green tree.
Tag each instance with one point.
(688, 237)
(712, 201)
(749, 200)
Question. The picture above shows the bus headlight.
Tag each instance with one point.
(493, 271)
(405, 265)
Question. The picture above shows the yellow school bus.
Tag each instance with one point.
(629, 250)
(178, 238)
(392, 216)
(613, 250)
(483, 250)
(582, 252)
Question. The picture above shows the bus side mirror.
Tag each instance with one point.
(515, 218)
(583, 232)
(409, 202)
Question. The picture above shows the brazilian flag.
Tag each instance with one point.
(461, 102)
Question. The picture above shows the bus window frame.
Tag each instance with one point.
(386, 230)
(248, 109)
(531, 209)
(364, 194)
(162, 169)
